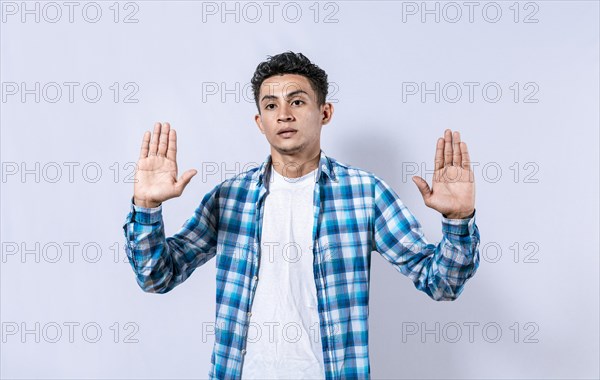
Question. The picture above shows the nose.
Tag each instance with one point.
(285, 113)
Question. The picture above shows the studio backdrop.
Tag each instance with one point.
(82, 81)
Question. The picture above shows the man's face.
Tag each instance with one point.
(288, 103)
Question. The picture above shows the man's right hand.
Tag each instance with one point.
(156, 171)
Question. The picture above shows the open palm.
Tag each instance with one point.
(452, 192)
(156, 172)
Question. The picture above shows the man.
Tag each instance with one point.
(293, 237)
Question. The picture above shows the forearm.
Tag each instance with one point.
(441, 270)
(148, 251)
(457, 257)
(162, 263)
(438, 270)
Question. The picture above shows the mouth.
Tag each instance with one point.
(287, 132)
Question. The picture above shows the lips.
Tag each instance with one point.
(286, 130)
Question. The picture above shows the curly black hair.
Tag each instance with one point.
(290, 63)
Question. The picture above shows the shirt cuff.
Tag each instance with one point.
(463, 227)
(146, 215)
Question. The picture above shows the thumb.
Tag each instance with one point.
(422, 186)
(185, 178)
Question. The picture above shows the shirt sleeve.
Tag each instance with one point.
(441, 270)
(162, 263)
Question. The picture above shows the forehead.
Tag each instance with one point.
(284, 84)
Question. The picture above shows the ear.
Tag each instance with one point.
(326, 113)
(258, 121)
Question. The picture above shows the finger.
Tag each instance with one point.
(439, 154)
(172, 150)
(154, 141)
(145, 145)
(466, 159)
(448, 147)
(422, 186)
(185, 178)
(163, 141)
(456, 156)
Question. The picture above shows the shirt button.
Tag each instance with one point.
(249, 313)
(244, 351)
(255, 278)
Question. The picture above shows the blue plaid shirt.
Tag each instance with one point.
(355, 213)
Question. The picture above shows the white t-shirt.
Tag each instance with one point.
(284, 340)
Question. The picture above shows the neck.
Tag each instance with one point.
(295, 165)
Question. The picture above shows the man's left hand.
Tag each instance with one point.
(453, 186)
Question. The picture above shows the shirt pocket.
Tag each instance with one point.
(236, 257)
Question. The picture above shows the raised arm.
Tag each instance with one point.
(439, 270)
(162, 263)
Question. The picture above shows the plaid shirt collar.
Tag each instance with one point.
(325, 168)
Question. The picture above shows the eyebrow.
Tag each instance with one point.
(290, 95)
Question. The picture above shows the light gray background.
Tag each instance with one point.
(368, 53)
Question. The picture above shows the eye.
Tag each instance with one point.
(269, 105)
(298, 100)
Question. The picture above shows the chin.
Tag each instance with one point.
(289, 149)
